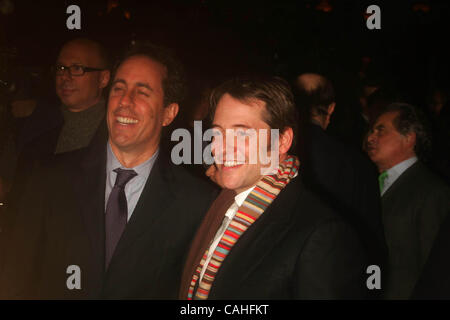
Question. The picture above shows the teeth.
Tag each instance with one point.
(232, 163)
(124, 120)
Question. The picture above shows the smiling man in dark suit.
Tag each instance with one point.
(119, 211)
(266, 236)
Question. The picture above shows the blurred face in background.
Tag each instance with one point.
(386, 146)
(79, 93)
(438, 100)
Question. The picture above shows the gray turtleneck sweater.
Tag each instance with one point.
(79, 127)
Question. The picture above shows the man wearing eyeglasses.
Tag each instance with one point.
(81, 74)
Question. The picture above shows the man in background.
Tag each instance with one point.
(81, 75)
(342, 176)
(414, 200)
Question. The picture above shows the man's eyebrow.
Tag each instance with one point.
(119, 81)
(244, 126)
(237, 126)
(138, 84)
(69, 64)
(145, 85)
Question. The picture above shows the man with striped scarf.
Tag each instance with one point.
(266, 236)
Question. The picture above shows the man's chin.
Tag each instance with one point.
(121, 143)
(67, 102)
(72, 105)
(227, 182)
(372, 155)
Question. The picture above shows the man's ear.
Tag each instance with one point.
(170, 112)
(331, 108)
(410, 138)
(286, 139)
(326, 120)
(104, 78)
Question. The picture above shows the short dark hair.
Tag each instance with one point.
(173, 85)
(275, 92)
(412, 119)
(315, 100)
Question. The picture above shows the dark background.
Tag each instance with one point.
(216, 39)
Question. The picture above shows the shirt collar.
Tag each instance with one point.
(143, 170)
(240, 198)
(398, 169)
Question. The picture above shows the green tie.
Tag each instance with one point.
(381, 178)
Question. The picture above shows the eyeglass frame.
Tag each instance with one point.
(62, 68)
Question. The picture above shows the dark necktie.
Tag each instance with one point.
(116, 212)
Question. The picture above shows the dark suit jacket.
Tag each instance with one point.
(413, 210)
(347, 181)
(61, 223)
(37, 140)
(298, 249)
(434, 281)
(36, 143)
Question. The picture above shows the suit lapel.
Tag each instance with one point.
(260, 239)
(401, 180)
(155, 199)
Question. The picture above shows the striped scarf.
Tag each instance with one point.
(265, 191)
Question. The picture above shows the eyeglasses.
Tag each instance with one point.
(74, 70)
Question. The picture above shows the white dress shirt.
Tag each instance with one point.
(134, 187)
(229, 215)
(396, 171)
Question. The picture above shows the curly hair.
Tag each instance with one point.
(412, 119)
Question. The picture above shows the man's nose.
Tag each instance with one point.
(371, 137)
(230, 146)
(126, 99)
(222, 149)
